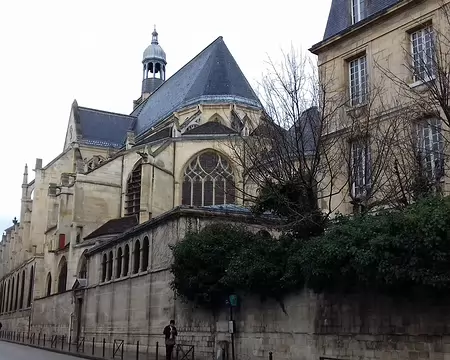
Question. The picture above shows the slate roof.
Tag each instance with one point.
(339, 18)
(306, 130)
(211, 127)
(114, 227)
(162, 134)
(211, 76)
(103, 128)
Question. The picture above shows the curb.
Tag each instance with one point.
(81, 356)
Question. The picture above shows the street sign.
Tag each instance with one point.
(233, 300)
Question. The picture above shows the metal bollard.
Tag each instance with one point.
(93, 345)
(137, 350)
(70, 342)
(44, 340)
(270, 355)
(157, 350)
(104, 342)
(39, 339)
(62, 343)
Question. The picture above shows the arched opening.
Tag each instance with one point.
(104, 264)
(1, 298)
(62, 275)
(22, 290)
(48, 286)
(11, 302)
(110, 266)
(30, 287)
(119, 263)
(82, 270)
(137, 256)
(145, 254)
(16, 298)
(133, 192)
(126, 260)
(208, 180)
(7, 297)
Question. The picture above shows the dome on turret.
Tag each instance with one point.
(154, 51)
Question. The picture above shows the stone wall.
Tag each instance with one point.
(53, 314)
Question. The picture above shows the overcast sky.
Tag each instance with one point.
(54, 51)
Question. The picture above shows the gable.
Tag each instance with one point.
(212, 76)
(72, 131)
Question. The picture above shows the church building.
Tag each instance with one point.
(97, 219)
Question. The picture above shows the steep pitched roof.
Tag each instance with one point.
(340, 17)
(103, 128)
(306, 130)
(212, 76)
(114, 227)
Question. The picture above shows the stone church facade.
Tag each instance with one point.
(96, 221)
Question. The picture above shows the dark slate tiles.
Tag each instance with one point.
(339, 18)
(101, 128)
(114, 226)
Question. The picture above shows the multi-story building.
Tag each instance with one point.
(383, 66)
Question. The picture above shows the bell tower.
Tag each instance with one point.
(154, 66)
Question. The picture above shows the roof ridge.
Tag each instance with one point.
(106, 111)
(179, 70)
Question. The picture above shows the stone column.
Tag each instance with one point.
(146, 188)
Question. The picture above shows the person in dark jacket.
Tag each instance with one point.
(170, 334)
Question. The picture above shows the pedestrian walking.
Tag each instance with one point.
(170, 334)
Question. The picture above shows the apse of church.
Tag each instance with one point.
(120, 171)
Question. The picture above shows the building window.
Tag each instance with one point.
(358, 10)
(137, 256)
(110, 266)
(12, 296)
(358, 80)
(48, 291)
(422, 49)
(145, 253)
(104, 264)
(82, 272)
(30, 288)
(22, 290)
(119, 263)
(126, 260)
(16, 298)
(431, 148)
(62, 276)
(208, 180)
(360, 168)
(133, 193)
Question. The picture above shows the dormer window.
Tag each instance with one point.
(358, 10)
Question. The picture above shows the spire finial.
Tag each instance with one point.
(154, 36)
(25, 175)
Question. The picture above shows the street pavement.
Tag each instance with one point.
(9, 351)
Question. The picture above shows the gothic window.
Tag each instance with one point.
(30, 287)
(104, 264)
(110, 266)
(137, 256)
(16, 298)
(133, 192)
(48, 290)
(7, 298)
(1, 298)
(145, 254)
(126, 260)
(62, 277)
(12, 296)
(82, 273)
(22, 290)
(119, 263)
(208, 180)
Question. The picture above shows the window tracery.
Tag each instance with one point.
(208, 180)
(133, 192)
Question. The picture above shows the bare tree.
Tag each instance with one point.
(289, 164)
